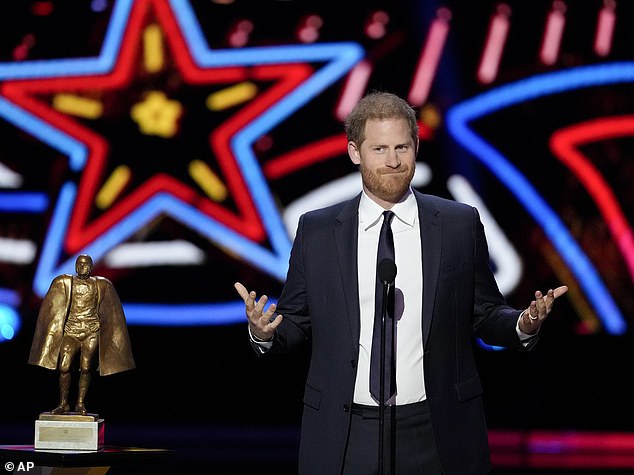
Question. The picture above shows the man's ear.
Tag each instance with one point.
(353, 153)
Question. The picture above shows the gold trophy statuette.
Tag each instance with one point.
(81, 316)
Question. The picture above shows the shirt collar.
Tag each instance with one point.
(371, 213)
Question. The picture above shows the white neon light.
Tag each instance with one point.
(9, 178)
(17, 251)
(147, 254)
(508, 264)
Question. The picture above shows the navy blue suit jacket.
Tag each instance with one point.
(320, 302)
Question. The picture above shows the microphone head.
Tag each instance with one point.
(387, 270)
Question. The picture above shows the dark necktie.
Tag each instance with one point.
(385, 251)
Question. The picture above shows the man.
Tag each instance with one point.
(444, 293)
(79, 315)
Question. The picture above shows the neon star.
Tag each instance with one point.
(253, 231)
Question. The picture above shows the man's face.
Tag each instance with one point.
(386, 159)
(83, 266)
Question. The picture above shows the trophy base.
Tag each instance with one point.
(69, 416)
(69, 432)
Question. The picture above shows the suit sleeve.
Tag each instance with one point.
(295, 329)
(494, 320)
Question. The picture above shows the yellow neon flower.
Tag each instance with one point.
(157, 115)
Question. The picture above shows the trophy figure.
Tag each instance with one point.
(80, 317)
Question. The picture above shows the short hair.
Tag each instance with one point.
(378, 105)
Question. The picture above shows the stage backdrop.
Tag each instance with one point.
(177, 142)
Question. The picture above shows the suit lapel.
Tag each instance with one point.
(346, 230)
(430, 237)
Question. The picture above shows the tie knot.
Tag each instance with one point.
(388, 216)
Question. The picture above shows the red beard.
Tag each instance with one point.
(386, 183)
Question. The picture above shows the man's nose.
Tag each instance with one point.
(392, 160)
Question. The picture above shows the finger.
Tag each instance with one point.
(559, 291)
(276, 322)
(533, 313)
(529, 324)
(526, 317)
(242, 291)
(552, 295)
(268, 315)
(549, 299)
(540, 304)
(248, 297)
(259, 306)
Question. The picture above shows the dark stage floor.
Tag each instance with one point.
(225, 450)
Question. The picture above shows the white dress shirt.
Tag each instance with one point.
(410, 382)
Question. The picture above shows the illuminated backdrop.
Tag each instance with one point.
(177, 142)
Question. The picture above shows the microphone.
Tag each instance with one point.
(387, 271)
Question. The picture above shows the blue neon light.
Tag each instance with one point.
(186, 315)
(23, 202)
(45, 132)
(167, 204)
(458, 119)
(52, 243)
(9, 323)
(9, 297)
(76, 66)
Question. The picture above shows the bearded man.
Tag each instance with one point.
(444, 294)
(81, 315)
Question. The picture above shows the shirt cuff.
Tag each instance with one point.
(525, 338)
(262, 345)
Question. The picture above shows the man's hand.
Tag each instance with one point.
(261, 323)
(533, 317)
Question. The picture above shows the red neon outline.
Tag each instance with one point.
(81, 230)
(565, 143)
(291, 76)
(317, 151)
(306, 155)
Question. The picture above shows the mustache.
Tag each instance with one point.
(393, 171)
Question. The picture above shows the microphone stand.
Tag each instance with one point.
(384, 317)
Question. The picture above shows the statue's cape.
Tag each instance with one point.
(115, 351)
